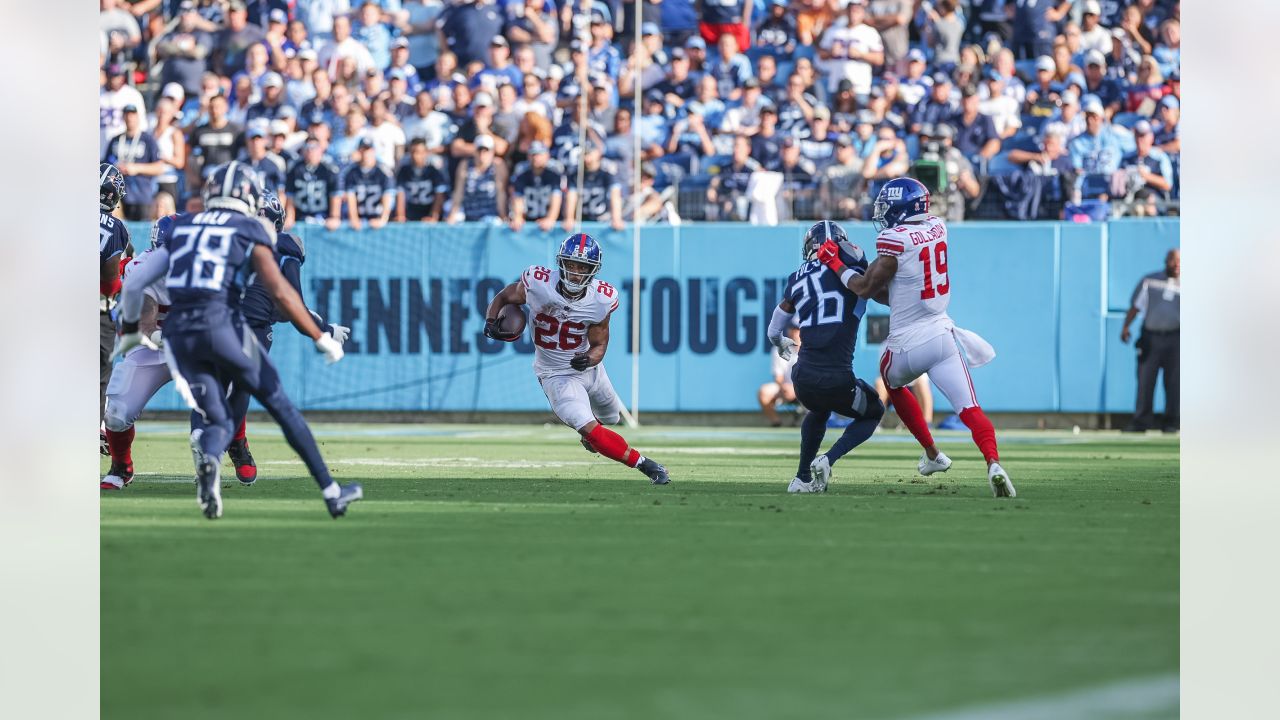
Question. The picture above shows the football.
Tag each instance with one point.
(511, 322)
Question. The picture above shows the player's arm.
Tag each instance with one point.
(353, 210)
(517, 211)
(869, 284)
(513, 294)
(148, 269)
(571, 199)
(615, 207)
(290, 303)
(777, 332)
(109, 275)
(400, 207)
(548, 223)
(500, 180)
(597, 344)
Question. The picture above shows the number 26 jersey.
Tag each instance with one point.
(559, 325)
(921, 290)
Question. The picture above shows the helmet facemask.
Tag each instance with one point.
(576, 273)
(878, 210)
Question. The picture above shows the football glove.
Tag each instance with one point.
(129, 341)
(785, 347)
(331, 348)
(829, 255)
(493, 331)
(580, 362)
(339, 332)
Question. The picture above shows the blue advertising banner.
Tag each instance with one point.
(1044, 294)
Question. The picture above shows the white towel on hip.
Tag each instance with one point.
(978, 351)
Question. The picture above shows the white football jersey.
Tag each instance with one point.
(921, 290)
(559, 325)
(157, 290)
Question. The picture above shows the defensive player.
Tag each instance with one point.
(260, 313)
(141, 373)
(113, 244)
(912, 266)
(828, 315)
(570, 312)
(207, 343)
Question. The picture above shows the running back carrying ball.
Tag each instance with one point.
(509, 325)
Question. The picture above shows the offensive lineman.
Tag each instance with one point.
(912, 265)
(207, 344)
(828, 315)
(113, 244)
(570, 309)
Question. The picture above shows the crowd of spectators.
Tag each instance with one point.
(364, 112)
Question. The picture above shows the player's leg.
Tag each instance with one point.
(192, 362)
(238, 450)
(106, 343)
(571, 400)
(861, 403)
(950, 373)
(812, 429)
(899, 371)
(132, 385)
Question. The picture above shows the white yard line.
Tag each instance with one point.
(1144, 698)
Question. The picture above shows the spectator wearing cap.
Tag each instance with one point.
(892, 19)
(342, 148)
(113, 98)
(1168, 137)
(1068, 120)
(796, 111)
(840, 182)
(602, 57)
(480, 186)
(1050, 161)
(312, 192)
(464, 144)
(1150, 164)
(235, 39)
(184, 50)
(678, 88)
(136, 154)
(730, 68)
(777, 33)
(727, 191)
(284, 141)
(272, 102)
(744, 117)
(533, 23)
(1005, 66)
(1095, 152)
(1005, 112)
(600, 102)
(818, 144)
(258, 155)
(1033, 26)
(119, 28)
(368, 189)
(499, 69)
(1043, 91)
(976, 134)
(420, 187)
(691, 139)
(943, 32)
(938, 107)
(914, 85)
(1096, 83)
(537, 192)
(215, 142)
(850, 48)
(466, 27)
(400, 65)
(399, 102)
(1168, 49)
(696, 49)
(766, 143)
(726, 17)
(1093, 36)
(864, 137)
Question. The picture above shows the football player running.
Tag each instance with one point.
(261, 315)
(828, 315)
(206, 342)
(912, 266)
(570, 312)
(113, 244)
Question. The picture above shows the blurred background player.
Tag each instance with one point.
(260, 313)
(142, 372)
(779, 390)
(922, 337)
(828, 315)
(113, 245)
(570, 309)
(207, 342)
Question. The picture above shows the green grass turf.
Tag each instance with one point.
(502, 572)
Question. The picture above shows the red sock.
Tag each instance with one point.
(984, 435)
(909, 411)
(240, 431)
(121, 444)
(613, 446)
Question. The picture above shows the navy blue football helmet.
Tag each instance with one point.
(820, 233)
(584, 252)
(901, 200)
(161, 230)
(233, 186)
(270, 208)
(110, 187)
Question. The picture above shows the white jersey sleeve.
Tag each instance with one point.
(920, 290)
(559, 324)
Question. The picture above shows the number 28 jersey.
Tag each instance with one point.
(559, 325)
(921, 290)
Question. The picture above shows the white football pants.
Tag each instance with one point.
(133, 382)
(942, 359)
(582, 397)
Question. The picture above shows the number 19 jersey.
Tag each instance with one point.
(921, 290)
(559, 325)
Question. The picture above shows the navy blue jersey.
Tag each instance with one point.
(537, 189)
(113, 237)
(596, 186)
(209, 266)
(827, 313)
(371, 187)
(421, 186)
(142, 148)
(311, 188)
(722, 12)
(258, 306)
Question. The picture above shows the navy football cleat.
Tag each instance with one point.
(657, 474)
(349, 494)
(209, 489)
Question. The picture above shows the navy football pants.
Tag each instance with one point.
(825, 392)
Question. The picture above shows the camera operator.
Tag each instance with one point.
(945, 171)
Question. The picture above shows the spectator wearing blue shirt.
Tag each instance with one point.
(766, 144)
(1100, 86)
(602, 56)
(777, 34)
(653, 126)
(690, 140)
(374, 34)
(1168, 51)
(499, 67)
(915, 86)
(1168, 113)
(466, 27)
(730, 68)
(1149, 163)
(864, 134)
(1095, 153)
(938, 107)
(1035, 25)
(708, 102)
(136, 154)
(976, 135)
(679, 21)
(400, 63)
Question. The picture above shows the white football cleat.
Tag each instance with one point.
(927, 467)
(1001, 486)
(799, 486)
(821, 470)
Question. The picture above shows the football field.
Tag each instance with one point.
(503, 572)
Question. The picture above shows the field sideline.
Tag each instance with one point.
(503, 572)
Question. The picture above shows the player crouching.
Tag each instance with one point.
(570, 311)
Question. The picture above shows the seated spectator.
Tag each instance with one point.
(421, 187)
(938, 107)
(388, 138)
(817, 144)
(506, 120)
(313, 191)
(915, 85)
(1168, 51)
(400, 63)
(844, 107)
(1050, 160)
(708, 102)
(943, 32)
(777, 33)
(601, 194)
(1043, 92)
(273, 100)
(1168, 137)
(534, 98)
(258, 155)
(796, 111)
(727, 191)
(679, 87)
(369, 189)
(1097, 84)
(1064, 64)
(696, 49)
(282, 142)
(888, 159)
(137, 155)
(744, 117)
(480, 186)
(499, 67)
(600, 102)
(1003, 109)
(537, 192)
(840, 182)
(690, 139)
(534, 128)
(885, 112)
(1123, 58)
(799, 179)
(1130, 27)
(1143, 96)
(1092, 35)
(400, 104)
(480, 124)
(767, 74)
(1068, 121)
(730, 68)
(850, 48)
(780, 390)
(653, 125)
(654, 205)
(1149, 169)
(566, 140)
(342, 149)
(766, 144)
(1011, 86)
(1095, 152)
(976, 135)
(864, 134)
(296, 40)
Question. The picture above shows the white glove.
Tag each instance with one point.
(157, 339)
(785, 344)
(129, 341)
(331, 348)
(339, 332)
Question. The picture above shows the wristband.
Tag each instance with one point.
(128, 328)
(848, 274)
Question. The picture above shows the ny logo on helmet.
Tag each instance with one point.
(893, 193)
